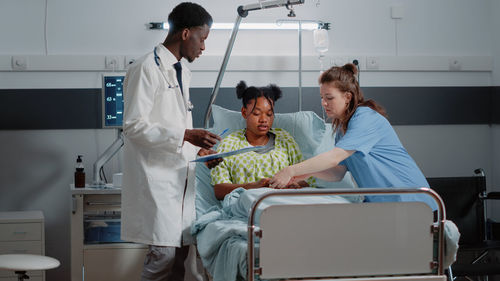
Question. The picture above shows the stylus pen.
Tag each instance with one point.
(223, 132)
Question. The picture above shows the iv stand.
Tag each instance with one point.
(242, 12)
(300, 56)
(300, 52)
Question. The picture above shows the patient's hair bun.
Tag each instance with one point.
(240, 89)
(246, 94)
(275, 92)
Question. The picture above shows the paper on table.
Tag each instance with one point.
(226, 154)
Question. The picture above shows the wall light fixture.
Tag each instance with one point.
(250, 26)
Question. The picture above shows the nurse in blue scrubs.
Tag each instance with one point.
(365, 143)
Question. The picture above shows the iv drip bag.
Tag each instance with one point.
(321, 43)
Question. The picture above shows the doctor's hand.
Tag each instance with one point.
(211, 163)
(282, 178)
(201, 138)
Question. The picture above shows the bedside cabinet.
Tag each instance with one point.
(97, 253)
(22, 233)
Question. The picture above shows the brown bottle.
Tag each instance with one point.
(79, 173)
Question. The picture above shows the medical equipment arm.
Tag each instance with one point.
(104, 158)
(268, 4)
(242, 12)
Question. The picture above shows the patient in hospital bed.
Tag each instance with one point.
(253, 169)
(221, 226)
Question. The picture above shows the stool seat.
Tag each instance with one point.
(26, 262)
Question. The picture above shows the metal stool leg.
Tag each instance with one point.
(21, 275)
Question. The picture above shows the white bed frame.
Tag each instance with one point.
(365, 241)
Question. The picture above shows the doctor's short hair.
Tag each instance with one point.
(186, 15)
(271, 92)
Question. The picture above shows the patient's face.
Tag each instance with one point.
(259, 118)
(333, 100)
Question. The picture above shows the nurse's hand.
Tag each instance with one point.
(201, 138)
(282, 178)
(211, 163)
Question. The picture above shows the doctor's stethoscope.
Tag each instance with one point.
(189, 105)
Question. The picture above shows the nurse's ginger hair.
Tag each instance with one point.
(271, 92)
(344, 78)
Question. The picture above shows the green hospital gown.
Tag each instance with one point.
(251, 166)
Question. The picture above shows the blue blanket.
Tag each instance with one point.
(221, 232)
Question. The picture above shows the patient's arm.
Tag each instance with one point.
(297, 184)
(222, 189)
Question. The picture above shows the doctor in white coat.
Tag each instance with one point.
(158, 192)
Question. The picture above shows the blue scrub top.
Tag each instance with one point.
(380, 159)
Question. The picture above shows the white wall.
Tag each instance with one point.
(495, 35)
(37, 169)
(362, 26)
(428, 35)
(37, 166)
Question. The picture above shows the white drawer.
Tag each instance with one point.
(21, 247)
(123, 264)
(100, 202)
(20, 231)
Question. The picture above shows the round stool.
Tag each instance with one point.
(22, 263)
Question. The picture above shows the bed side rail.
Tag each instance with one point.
(345, 240)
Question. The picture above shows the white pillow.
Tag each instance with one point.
(305, 126)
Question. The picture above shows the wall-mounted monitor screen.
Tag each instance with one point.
(112, 100)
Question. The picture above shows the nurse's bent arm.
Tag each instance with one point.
(336, 173)
(324, 166)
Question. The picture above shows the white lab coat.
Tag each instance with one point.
(158, 180)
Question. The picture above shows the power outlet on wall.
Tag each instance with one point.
(455, 64)
(129, 60)
(19, 63)
(372, 63)
(111, 62)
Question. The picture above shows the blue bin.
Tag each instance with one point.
(102, 231)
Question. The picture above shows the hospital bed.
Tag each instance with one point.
(316, 233)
